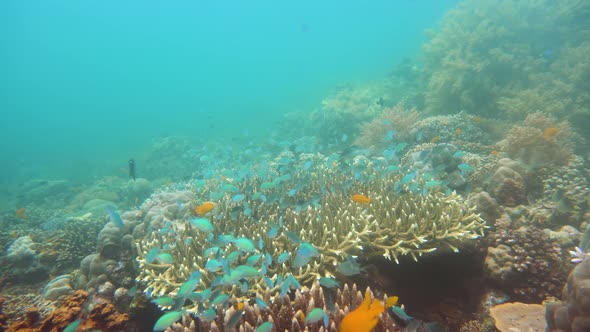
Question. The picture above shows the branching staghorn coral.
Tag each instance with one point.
(390, 225)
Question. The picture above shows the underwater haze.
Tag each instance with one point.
(86, 84)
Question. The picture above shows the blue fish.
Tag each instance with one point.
(238, 198)
(264, 327)
(329, 282)
(202, 224)
(458, 154)
(408, 178)
(165, 258)
(244, 244)
(315, 315)
(465, 167)
(261, 304)
(389, 136)
(273, 232)
(167, 320)
(152, 255)
(73, 326)
(283, 257)
(116, 218)
(350, 267)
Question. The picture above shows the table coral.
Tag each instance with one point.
(513, 317)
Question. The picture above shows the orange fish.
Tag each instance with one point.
(358, 198)
(204, 208)
(21, 213)
(458, 131)
(476, 119)
(366, 316)
(435, 139)
(494, 153)
(550, 132)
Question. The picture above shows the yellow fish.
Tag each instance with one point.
(550, 132)
(21, 213)
(366, 316)
(362, 199)
(204, 208)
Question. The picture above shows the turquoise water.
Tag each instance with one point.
(85, 85)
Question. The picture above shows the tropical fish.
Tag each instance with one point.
(550, 132)
(350, 267)
(458, 131)
(204, 208)
(164, 301)
(214, 265)
(362, 199)
(167, 320)
(238, 198)
(202, 224)
(165, 258)
(244, 244)
(465, 167)
(408, 178)
(264, 327)
(73, 326)
(435, 139)
(233, 320)
(283, 257)
(565, 205)
(261, 304)
(189, 286)
(220, 299)
(116, 218)
(21, 213)
(389, 136)
(329, 282)
(458, 154)
(315, 315)
(304, 254)
(365, 317)
(228, 187)
(209, 315)
(131, 169)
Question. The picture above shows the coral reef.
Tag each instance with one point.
(572, 314)
(287, 314)
(66, 244)
(518, 317)
(509, 183)
(103, 316)
(3, 318)
(501, 59)
(540, 141)
(458, 128)
(525, 263)
(393, 123)
(58, 287)
(391, 225)
(23, 259)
